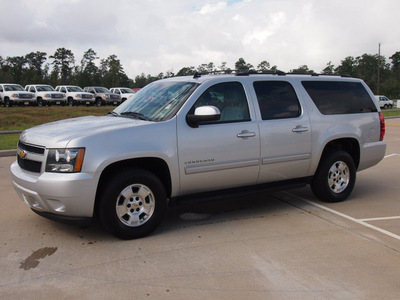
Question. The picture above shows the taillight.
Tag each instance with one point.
(382, 122)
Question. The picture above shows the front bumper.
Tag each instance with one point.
(63, 195)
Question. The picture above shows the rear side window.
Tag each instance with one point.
(339, 97)
(277, 100)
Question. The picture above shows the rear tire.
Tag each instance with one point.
(335, 177)
(132, 204)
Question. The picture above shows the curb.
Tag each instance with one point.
(5, 153)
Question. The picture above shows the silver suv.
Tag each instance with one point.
(200, 136)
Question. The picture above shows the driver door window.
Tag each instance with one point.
(229, 98)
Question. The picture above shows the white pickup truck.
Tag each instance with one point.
(200, 136)
(384, 102)
(75, 95)
(12, 94)
(46, 95)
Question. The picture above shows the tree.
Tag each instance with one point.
(35, 72)
(112, 72)
(241, 65)
(329, 69)
(185, 71)
(263, 66)
(347, 67)
(63, 65)
(88, 71)
(395, 62)
(302, 70)
(16, 68)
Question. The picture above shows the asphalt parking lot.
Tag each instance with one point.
(283, 245)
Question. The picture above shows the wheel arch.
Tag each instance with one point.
(152, 164)
(350, 145)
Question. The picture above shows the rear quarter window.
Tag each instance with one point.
(339, 97)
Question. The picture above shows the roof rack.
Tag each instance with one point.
(258, 72)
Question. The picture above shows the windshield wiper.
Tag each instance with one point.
(134, 115)
(113, 113)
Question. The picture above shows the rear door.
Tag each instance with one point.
(285, 132)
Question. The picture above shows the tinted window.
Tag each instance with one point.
(229, 98)
(339, 97)
(277, 100)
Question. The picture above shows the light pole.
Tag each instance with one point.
(379, 68)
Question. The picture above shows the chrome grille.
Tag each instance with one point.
(26, 152)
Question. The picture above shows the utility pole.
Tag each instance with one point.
(379, 69)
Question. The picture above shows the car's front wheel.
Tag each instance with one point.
(132, 204)
(335, 177)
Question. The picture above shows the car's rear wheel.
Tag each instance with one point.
(335, 177)
(132, 204)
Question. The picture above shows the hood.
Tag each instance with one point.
(60, 133)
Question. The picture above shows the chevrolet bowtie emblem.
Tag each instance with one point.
(22, 154)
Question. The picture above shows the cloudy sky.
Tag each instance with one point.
(154, 36)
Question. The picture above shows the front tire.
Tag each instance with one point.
(335, 177)
(132, 204)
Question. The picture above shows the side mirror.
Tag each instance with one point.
(203, 114)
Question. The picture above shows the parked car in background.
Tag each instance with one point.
(11, 93)
(383, 101)
(46, 95)
(103, 96)
(124, 92)
(76, 95)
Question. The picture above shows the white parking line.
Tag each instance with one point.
(358, 221)
(390, 155)
(380, 219)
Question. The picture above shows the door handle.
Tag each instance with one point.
(246, 134)
(300, 128)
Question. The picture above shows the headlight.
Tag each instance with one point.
(65, 160)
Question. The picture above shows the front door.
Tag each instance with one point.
(224, 153)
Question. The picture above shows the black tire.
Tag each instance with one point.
(98, 102)
(335, 177)
(39, 102)
(136, 213)
(7, 103)
(70, 102)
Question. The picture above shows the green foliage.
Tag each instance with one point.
(35, 68)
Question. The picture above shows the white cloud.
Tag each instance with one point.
(156, 36)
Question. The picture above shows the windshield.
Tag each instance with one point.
(158, 101)
(127, 91)
(74, 89)
(13, 87)
(101, 90)
(44, 88)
